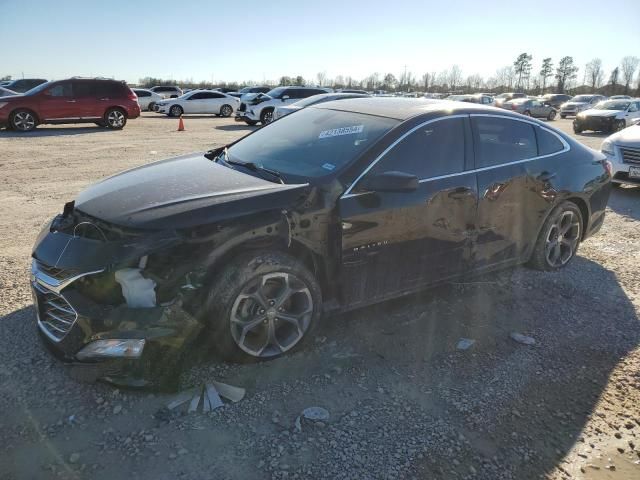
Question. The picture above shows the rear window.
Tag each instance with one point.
(548, 143)
(502, 140)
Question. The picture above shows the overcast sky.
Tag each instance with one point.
(262, 40)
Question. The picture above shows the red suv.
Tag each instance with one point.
(108, 103)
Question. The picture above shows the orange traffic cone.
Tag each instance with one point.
(181, 125)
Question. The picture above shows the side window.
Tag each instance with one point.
(432, 150)
(502, 140)
(215, 95)
(142, 93)
(84, 89)
(633, 107)
(197, 96)
(61, 90)
(548, 143)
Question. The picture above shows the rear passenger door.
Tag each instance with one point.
(211, 102)
(514, 182)
(393, 241)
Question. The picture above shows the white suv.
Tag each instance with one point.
(260, 107)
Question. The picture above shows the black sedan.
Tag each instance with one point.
(337, 206)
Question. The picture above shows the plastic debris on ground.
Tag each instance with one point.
(518, 337)
(465, 343)
(209, 395)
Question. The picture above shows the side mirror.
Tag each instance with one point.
(285, 97)
(392, 182)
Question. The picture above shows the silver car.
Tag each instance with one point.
(623, 151)
(531, 107)
(579, 103)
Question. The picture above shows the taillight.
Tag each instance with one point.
(132, 96)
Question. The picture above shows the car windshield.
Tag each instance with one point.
(39, 88)
(612, 105)
(582, 98)
(314, 142)
(276, 92)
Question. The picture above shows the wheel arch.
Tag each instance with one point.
(116, 107)
(584, 211)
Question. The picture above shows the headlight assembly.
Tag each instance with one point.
(608, 148)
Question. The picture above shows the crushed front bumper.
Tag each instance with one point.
(68, 319)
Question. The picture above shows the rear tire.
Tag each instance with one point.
(577, 129)
(115, 119)
(23, 120)
(151, 105)
(527, 113)
(559, 238)
(552, 115)
(261, 306)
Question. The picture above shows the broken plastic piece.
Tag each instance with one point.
(139, 292)
(315, 413)
(518, 337)
(235, 394)
(181, 398)
(213, 397)
(195, 401)
(465, 343)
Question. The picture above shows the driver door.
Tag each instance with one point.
(59, 102)
(394, 241)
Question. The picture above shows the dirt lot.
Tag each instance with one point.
(403, 401)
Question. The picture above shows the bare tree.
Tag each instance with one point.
(629, 65)
(545, 72)
(594, 73)
(613, 78)
(565, 72)
(455, 77)
(322, 78)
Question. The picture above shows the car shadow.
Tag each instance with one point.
(625, 201)
(55, 132)
(237, 128)
(593, 134)
(503, 397)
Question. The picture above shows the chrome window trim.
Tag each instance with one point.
(565, 144)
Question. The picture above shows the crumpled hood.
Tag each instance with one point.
(628, 137)
(182, 192)
(593, 112)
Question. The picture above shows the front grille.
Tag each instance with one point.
(55, 314)
(59, 274)
(243, 107)
(630, 155)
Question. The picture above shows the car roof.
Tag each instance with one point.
(400, 108)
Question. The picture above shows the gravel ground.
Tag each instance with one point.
(403, 401)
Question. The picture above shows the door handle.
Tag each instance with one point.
(71, 101)
(460, 192)
(545, 176)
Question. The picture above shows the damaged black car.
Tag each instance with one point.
(337, 206)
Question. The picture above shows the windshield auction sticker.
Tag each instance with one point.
(336, 132)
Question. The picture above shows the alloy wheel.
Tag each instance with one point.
(115, 119)
(267, 117)
(562, 239)
(176, 111)
(24, 121)
(271, 314)
(226, 111)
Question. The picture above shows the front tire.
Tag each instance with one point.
(266, 117)
(261, 306)
(559, 238)
(23, 121)
(576, 128)
(226, 111)
(151, 106)
(115, 119)
(527, 113)
(620, 124)
(175, 111)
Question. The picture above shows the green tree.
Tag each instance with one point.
(565, 72)
(522, 68)
(545, 72)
